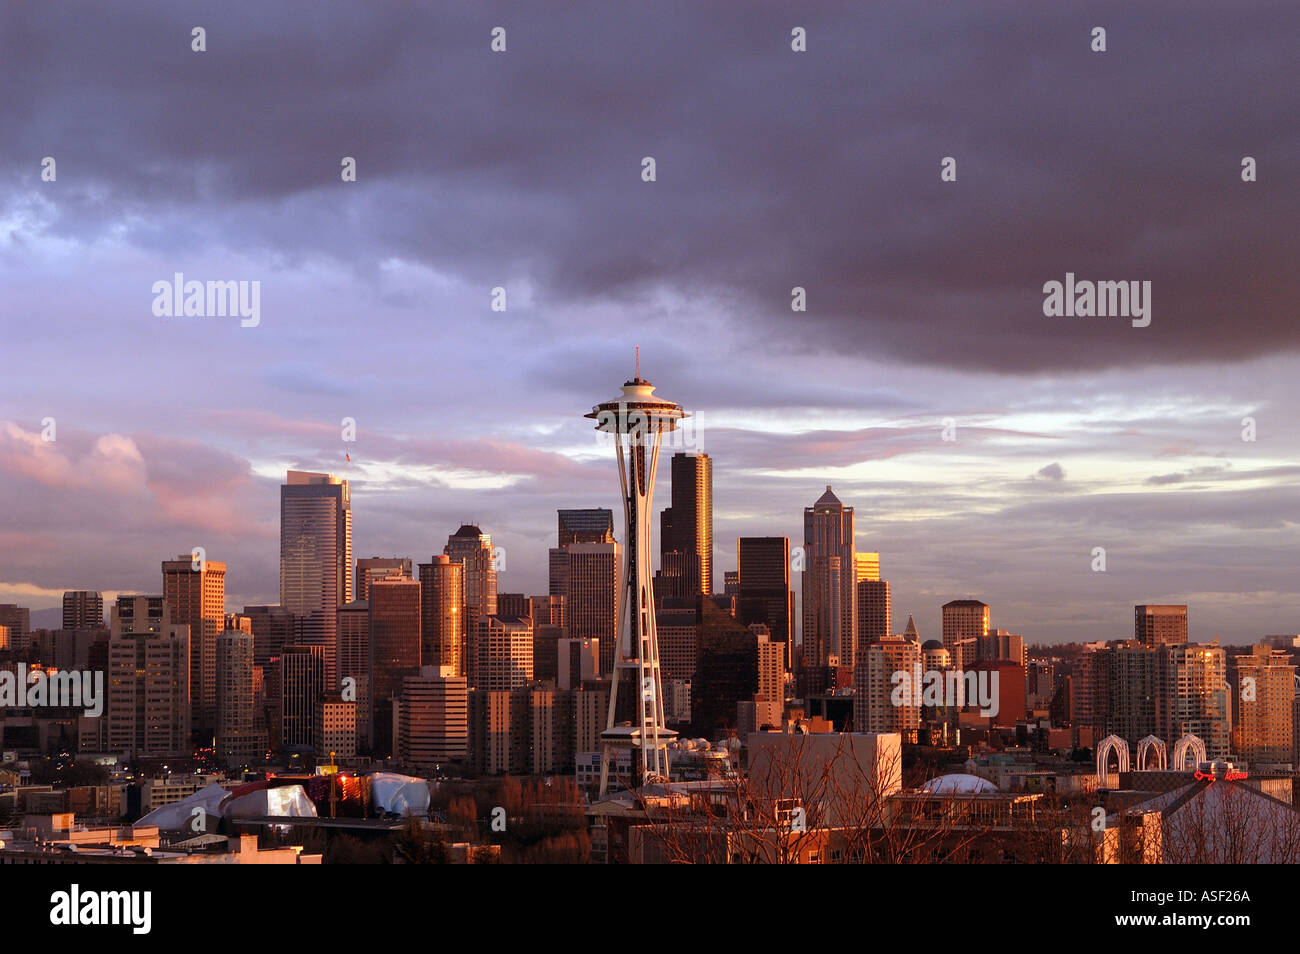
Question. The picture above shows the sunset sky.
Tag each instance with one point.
(775, 169)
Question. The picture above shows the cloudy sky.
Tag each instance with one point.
(774, 169)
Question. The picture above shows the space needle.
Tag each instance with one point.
(637, 420)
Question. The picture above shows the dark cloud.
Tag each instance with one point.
(775, 169)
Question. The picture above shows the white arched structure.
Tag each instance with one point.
(1112, 743)
(1147, 745)
(1188, 743)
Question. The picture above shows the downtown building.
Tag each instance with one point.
(302, 688)
(442, 614)
(875, 612)
(594, 525)
(354, 668)
(1263, 696)
(378, 568)
(83, 609)
(686, 529)
(593, 596)
(829, 584)
(316, 558)
(148, 689)
(432, 719)
(472, 548)
(1160, 625)
(879, 703)
(965, 623)
(195, 592)
(763, 593)
(395, 652)
(237, 738)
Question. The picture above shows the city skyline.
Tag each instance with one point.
(1071, 434)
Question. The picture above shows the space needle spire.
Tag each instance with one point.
(637, 421)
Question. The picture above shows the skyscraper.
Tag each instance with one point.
(433, 725)
(875, 619)
(394, 651)
(965, 623)
(1263, 695)
(354, 664)
(595, 525)
(686, 527)
(763, 593)
(148, 679)
(829, 582)
(505, 652)
(866, 566)
(1160, 625)
(83, 609)
(235, 738)
(575, 526)
(18, 620)
(1192, 695)
(302, 687)
(369, 568)
(195, 591)
(875, 692)
(316, 556)
(442, 613)
(592, 596)
(472, 548)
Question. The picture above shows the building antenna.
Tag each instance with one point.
(638, 362)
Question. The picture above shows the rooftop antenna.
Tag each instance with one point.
(638, 362)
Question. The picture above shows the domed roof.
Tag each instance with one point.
(932, 644)
(958, 785)
(468, 530)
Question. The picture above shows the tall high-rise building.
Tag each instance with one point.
(1160, 625)
(83, 609)
(763, 593)
(875, 619)
(1002, 645)
(731, 584)
(687, 526)
(877, 697)
(274, 627)
(195, 591)
(829, 583)
(726, 669)
(302, 687)
(514, 604)
(965, 623)
(866, 566)
(591, 599)
(472, 548)
(394, 651)
(316, 556)
(18, 621)
(505, 652)
(771, 665)
(575, 526)
(236, 740)
(1192, 695)
(1263, 695)
(442, 614)
(369, 568)
(433, 719)
(595, 525)
(354, 665)
(148, 679)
